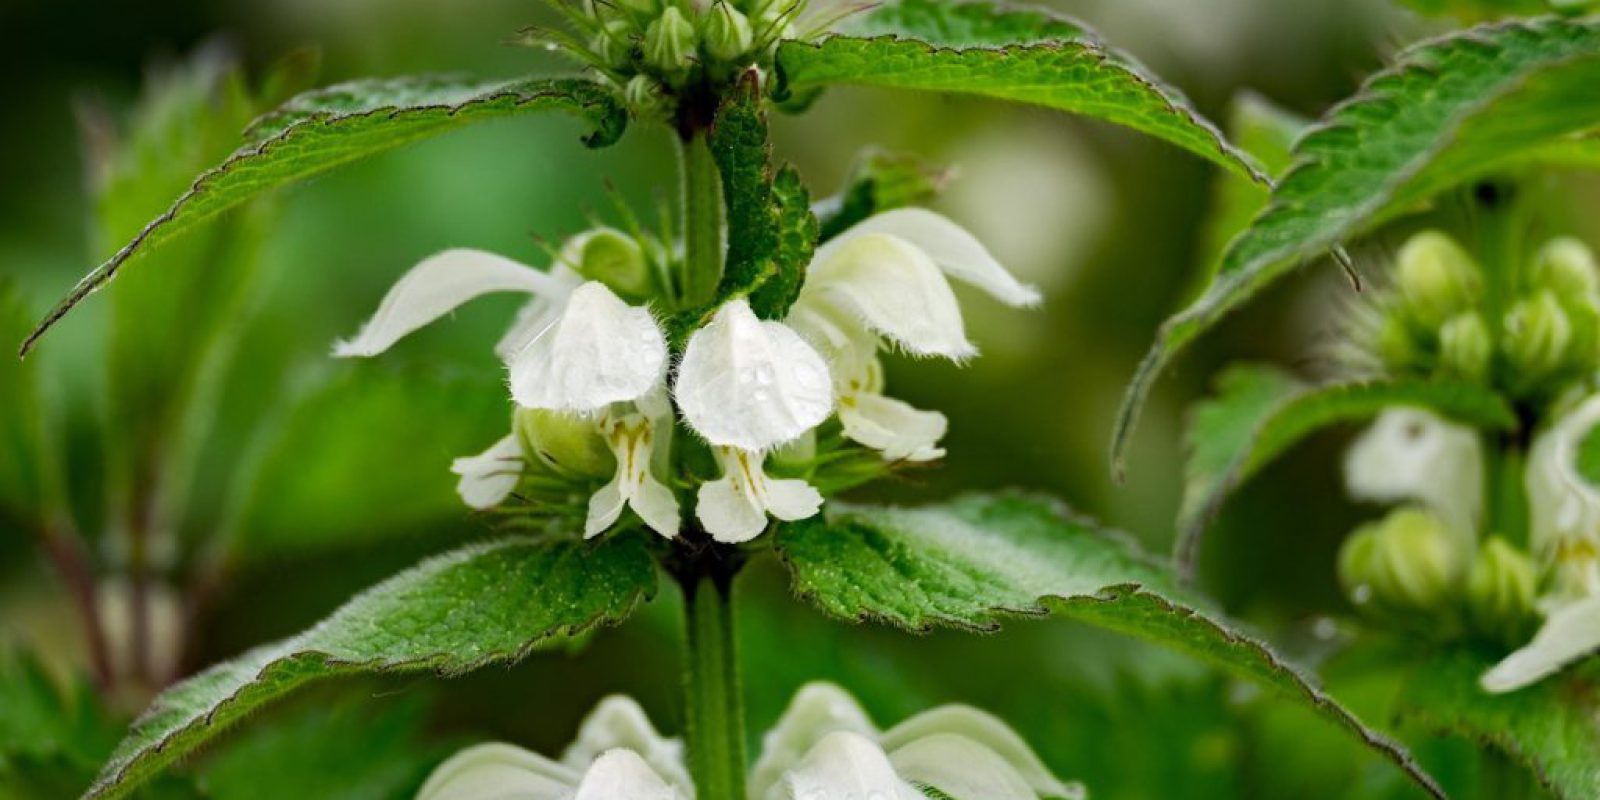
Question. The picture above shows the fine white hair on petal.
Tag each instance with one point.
(893, 427)
(498, 771)
(437, 286)
(619, 722)
(1564, 506)
(1570, 633)
(490, 476)
(749, 383)
(960, 767)
(599, 351)
(894, 289)
(817, 709)
(844, 764)
(1411, 454)
(623, 775)
(956, 251)
(983, 729)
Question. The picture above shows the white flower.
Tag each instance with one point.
(631, 435)
(618, 756)
(1565, 535)
(1409, 454)
(576, 347)
(734, 508)
(749, 383)
(886, 279)
(826, 747)
(489, 477)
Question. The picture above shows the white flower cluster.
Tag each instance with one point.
(1413, 456)
(747, 386)
(823, 748)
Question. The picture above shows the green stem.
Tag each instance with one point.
(715, 698)
(1505, 489)
(702, 219)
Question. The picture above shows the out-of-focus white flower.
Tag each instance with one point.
(749, 383)
(826, 747)
(618, 756)
(734, 508)
(887, 280)
(1565, 536)
(1412, 455)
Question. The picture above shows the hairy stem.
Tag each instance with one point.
(702, 219)
(715, 699)
(71, 562)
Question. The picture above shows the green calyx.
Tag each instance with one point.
(568, 444)
(612, 258)
(1532, 343)
(1407, 562)
(1500, 592)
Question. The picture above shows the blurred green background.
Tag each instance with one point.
(1107, 222)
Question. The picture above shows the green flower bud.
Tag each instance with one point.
(1394, 342)
(727, 32)
(1437, 278)
(614, 45)
(645, 95)
(1537, 335)
(1567, 267)
(1500, 591)
(670, 42)
(1406, 562)
(1465, 348)
(612, 258)
(567, 443)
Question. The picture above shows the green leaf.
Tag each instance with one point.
(970, 563)
(879, 181)
(29, 474)
(771, 230)
(454, 613)
(318, 131)
(1260, 412)
(1548, 727)
(1453, 110)
(1024, 56)
(1588, 456)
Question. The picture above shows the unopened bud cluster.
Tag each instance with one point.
(1529, 332)
(658, 51)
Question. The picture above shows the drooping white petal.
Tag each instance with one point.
(623, 775)
(900, 431)
(816, 710)
(844, 764)
(982, 729)
(956, 251)
(436, 287)
(619, 722)
(751, 384)
(599, 351)
(631, 438)
(960, 767)
(498, 772)
(734, 508)
(490, 476)
(1410, 454)
(537, 314)
(1564, 506)
(1570, 633)
(894, 289)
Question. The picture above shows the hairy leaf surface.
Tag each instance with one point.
(1451, 111)
(1260, 412)
(320, 130)
(451, 614)
(971, 563)
(1548, 727)
(1024, 56)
